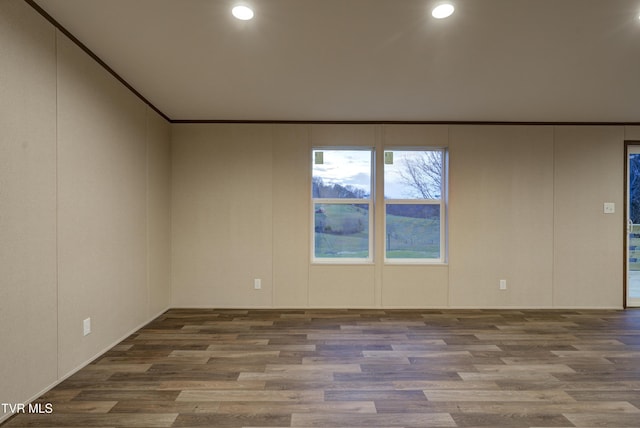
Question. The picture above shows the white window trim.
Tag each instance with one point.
(370, 201)
(442, 202)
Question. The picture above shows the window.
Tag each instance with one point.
(342, 205)
(413, 211)
(414, 208)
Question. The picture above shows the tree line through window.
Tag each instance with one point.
(343, 183)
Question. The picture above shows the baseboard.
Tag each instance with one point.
(412, 308)
(541, 308)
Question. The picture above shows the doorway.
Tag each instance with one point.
(632, 240)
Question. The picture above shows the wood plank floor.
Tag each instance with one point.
(361, 368)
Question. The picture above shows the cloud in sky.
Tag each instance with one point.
(345, 167)
(353, 168)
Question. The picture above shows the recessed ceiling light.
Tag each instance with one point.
(242, 12)
(443, 10)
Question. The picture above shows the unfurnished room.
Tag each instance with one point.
(319, 213)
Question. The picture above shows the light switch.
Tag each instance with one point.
(609, 207)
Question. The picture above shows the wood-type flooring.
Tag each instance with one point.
(360, 368)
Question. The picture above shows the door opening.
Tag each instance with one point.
(632, 237)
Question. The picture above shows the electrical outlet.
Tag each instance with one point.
(609, 207)
(257, 284)
(503, 284)
(86, 326)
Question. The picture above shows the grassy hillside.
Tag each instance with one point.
(341, 231)
(410, 238)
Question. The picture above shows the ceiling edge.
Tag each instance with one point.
(406, 122)
(95, 57)
(104, 65)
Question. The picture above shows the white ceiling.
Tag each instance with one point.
(370, 60)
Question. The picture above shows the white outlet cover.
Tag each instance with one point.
(609, 207)
(86, 326)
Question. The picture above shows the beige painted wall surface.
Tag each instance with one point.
(632, 133)
(505, 218)
(222, 224)
(28, 360)
(415, 286)
(415, 135)
(291, 215)
(328, 135)
(501, 216)
(341, 286)
(101, 207)
(588, 256)
(82, 166)
(158, 136)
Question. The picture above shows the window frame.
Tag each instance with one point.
(441, 202)
(345, 201)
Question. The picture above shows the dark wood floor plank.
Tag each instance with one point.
(360, 368)
(510, 420)
(232, 420)
(407, 420)
(592, 419)
(138, 420)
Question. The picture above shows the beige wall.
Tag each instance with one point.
(501, 216)
(588, 252)
(222, 234)
(158, 142)
(85, 207)
(632, 133)
(101, 207)
(525, 205)
(28, 331)
(290, 256)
